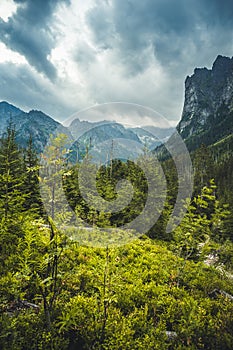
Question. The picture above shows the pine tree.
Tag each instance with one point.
(11, 198)
(31, 180)
(203, 221)
(53, 170)
(11, 178)
(203, 168)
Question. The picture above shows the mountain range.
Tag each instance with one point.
(207, 118)
(128, 142)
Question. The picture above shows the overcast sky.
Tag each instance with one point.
(61, 56)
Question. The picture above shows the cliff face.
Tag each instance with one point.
(208, 108)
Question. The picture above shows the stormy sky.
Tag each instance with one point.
(62, 56)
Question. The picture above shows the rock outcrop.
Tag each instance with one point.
(208, 108)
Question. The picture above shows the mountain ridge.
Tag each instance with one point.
(40, 126)
(34, 123)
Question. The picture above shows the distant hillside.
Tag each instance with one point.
(109, 140)
(96, 136)
(79, 127)
(35, 123)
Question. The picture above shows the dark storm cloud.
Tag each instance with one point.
(21, 86)
(171, 28)
(217, 12)
(28, 32)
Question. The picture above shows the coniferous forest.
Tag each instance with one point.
(159, 291)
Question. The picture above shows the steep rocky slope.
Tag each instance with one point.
(208, 108)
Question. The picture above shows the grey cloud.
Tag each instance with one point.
(21, 86)
(28, 32)
(100, 21)
(84, 55)
(172, 28)
(217, 12)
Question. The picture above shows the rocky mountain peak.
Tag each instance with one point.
(222, 67)
(34, 123)
(208, 102)
(9, 110)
